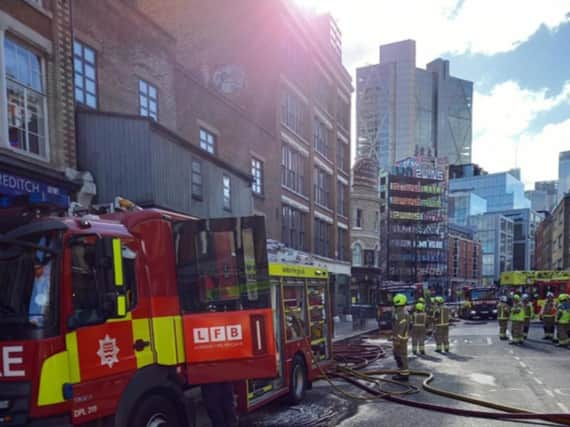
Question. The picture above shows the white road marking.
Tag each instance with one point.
(489, 341)
(530, 372)
(562, 406)
(537, 380)
(517, 358)
(522, 364)
(549, 392)
(512, 351)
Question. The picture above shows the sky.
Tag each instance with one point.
(517, 53)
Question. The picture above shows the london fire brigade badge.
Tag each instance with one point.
(108, 351)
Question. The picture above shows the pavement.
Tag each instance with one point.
(344, 330)
(535, 377)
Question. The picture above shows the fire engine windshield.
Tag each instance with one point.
(483, 294)
(27, 286)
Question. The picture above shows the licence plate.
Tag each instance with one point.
(484, 312)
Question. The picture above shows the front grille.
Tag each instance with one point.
(17, 396)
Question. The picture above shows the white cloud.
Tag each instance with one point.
(502, 138)
(445, 26)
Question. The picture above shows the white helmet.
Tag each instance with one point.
(525, 296)
(503, 298)
(549, 295)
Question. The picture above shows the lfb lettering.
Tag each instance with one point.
(11, 356)
(218, 334)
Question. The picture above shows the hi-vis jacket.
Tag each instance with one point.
(401, 324)
(517, 312)
(503, 311)
(441, 316)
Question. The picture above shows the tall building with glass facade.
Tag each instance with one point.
(403, 111)
(463, 204)
(563, 174)
(501, 190)
(495, 232)
(544, 196)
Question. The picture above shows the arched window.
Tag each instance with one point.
(357, 254)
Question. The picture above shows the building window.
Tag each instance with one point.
(342, 243)
(321, 138)
(257, 173)
(341, 155)
(292, 169)
(293, 227)
(343, 114)
(207, 141)
(322, 238)
(357, 255)
(376, 220)
(85, 74)
(322, 187)
(27, 111)
(197, 184)
(227, 192)
(341, 199)
(148, 100)
(293, 112)
(323, 92)
(358, 218)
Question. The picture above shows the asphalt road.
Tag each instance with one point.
(535, 376)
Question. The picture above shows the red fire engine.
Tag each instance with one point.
(302, 318)
(112, 317)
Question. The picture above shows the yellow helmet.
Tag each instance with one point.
(439, 300)
(422, 300)
(562, 297)
(399, 300)
(420, 307)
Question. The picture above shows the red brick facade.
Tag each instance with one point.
(464, 262)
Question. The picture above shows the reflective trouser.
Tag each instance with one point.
(442, 337)
(400, 347)
(563, 334)
(418, 337)
(503, 325)
(548, 322)
(517, 330)
(526, 327)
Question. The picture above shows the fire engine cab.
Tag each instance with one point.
(111, 318)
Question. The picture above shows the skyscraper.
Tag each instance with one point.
(405, 111)
(563, 173)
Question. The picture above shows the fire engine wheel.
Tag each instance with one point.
(156, 411)
(298, 382)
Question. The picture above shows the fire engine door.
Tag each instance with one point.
(105, 343)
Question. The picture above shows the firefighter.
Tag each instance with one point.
(430, 307)
(400, 327)
(503, 311)
(527, 305)
(517, 321)
(547, 315)
(563, 321)
(441, 323)
(419, 329)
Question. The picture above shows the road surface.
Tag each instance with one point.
(535, 376)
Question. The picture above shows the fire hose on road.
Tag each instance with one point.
(353, 366)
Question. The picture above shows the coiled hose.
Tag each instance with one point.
(354, 358)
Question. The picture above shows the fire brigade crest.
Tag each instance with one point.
(108, 351)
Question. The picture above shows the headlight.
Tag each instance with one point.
(494, 311)
(473, 312)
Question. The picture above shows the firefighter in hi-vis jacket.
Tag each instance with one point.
(400, 328)
(419, 322)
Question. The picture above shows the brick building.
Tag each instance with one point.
(135, 105)
(365, 230)
(282, 96)
(543, 248)
(37, 134)
(553, 239)
(464, 258)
